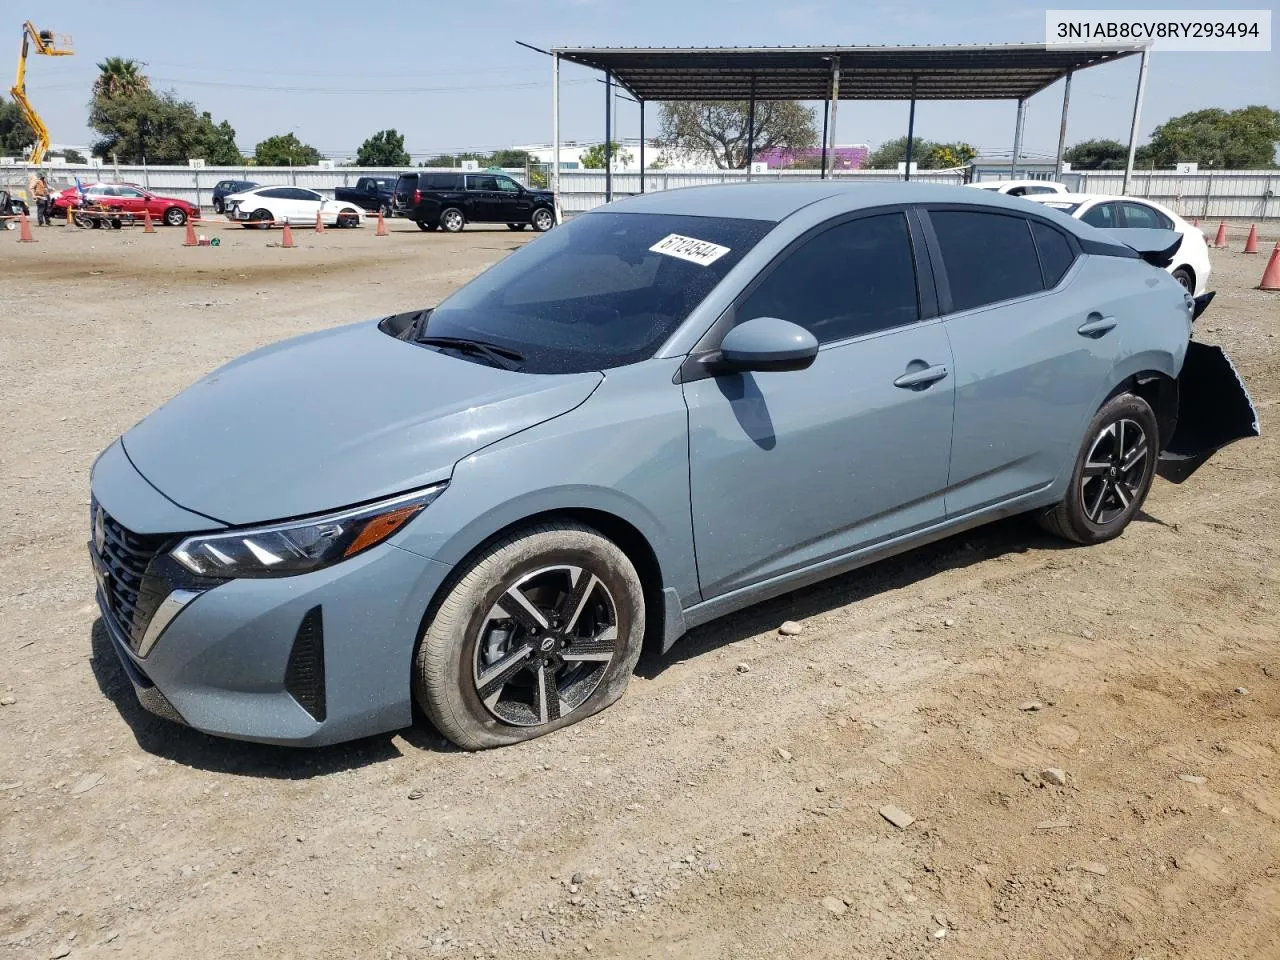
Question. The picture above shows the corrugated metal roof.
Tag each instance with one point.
(960, 72)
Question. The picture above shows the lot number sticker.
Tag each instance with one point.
(701, 252)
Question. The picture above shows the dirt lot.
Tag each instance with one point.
(714, 812)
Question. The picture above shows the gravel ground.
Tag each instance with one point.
(1083, 741)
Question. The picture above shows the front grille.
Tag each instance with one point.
(125, 556)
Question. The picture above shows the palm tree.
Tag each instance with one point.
(120, 77)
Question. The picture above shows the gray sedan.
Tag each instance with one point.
(673, 407)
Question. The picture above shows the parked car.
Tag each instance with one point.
(130, 198)
(1190, 265)
(450, 201)
(670, 408)
(224, 188)
(263, 206)
(370, 193)
(10, 208)
(1021, 188)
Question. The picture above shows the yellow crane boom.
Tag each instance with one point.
(47, 44)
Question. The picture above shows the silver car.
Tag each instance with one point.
(672, 407)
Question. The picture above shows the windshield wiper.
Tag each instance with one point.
(497, 356)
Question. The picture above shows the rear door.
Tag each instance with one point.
(788, 470)
(1103, 215)
(1032, 350)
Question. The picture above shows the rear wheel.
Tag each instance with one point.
(542, 630)
(1184, 277)
(261, 219)
(452, 220)
(543, 220)
(516, 226)
(423, 225)
(1112, 475)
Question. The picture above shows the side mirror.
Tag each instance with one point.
(768, 344)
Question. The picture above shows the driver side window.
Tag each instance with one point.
(852, 279)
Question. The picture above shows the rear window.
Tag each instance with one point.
(1056, 255)
(988, 257)
(594, 294)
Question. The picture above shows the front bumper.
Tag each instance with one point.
(308, 660)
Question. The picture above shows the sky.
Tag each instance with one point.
(450, 77)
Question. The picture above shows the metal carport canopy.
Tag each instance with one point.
(968, 72)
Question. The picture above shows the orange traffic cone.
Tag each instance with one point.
(286, 239)
(25, 225)
(319, 223)
(1251, 243)
(1221, 239)
(147, 225)
(1271, 275)
(382, 225)
(191, 240)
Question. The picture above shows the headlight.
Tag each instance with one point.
(300, 546)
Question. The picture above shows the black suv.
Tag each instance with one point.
(452, 200)
(224, 188)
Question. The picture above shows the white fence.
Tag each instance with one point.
(1248, 194)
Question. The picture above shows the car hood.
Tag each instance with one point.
(331, 419)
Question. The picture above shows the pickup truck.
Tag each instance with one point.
(371, 193)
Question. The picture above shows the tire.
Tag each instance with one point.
(347, 218)
(542, 219)
(516, 226)
(1183, 276)
(117, 223)
(219, 206)
(452, 220)
(175, 217)
(1103, 495)
(83, 221)
(472, 635)
(262, 219)
(424, 226)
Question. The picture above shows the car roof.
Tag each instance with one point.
(997, 184)
(777, 201)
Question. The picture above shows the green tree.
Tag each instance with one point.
(947, 156)
(508, 158)
(285, 150)
(119, 76)
(158, 128)
(1097, 155)
(74, 156)
(15, 135)
(718, 128)
(893, 152)
(1243, 139)
(384, 149)
(593, 157)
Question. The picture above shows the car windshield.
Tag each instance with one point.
(604, 290)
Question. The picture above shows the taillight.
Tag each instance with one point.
(417, 197)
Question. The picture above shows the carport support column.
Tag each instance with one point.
(608, 132)
(911, 130)
(826, 115)
(641, 102)
(1137, 119)
(1017, 138)
(555, 128)
(751, 128)
(835, 102)
(1062, 129)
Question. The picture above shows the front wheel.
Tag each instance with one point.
(348, 218)
(543, 220)
(219, 206)
(542, 630)
(1112, 475)
(452, 220)
(175, 217)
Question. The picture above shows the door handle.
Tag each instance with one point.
(918, 379)
(1096, 325)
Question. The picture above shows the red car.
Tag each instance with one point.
(130, 198)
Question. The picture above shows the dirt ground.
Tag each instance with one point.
(715, 812)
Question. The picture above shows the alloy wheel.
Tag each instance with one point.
(1113, 471)
(545, 645)
(452, 221)
(543, 221)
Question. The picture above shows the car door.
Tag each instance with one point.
(309, 203)
(512, 201)
(791, 469)
(134, 201)
(1139, 216)
(1032, 349)
(482, 204)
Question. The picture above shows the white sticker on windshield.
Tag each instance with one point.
(702, 252)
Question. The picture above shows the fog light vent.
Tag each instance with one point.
(304, 677)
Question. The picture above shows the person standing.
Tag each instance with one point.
(41, 192)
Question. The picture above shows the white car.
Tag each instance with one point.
(1190, 266)
(262, 206)
(1021, 188)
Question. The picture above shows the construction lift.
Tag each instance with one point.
(49, 45)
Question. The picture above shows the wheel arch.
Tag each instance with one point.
(1159, 390)
(664, 616)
